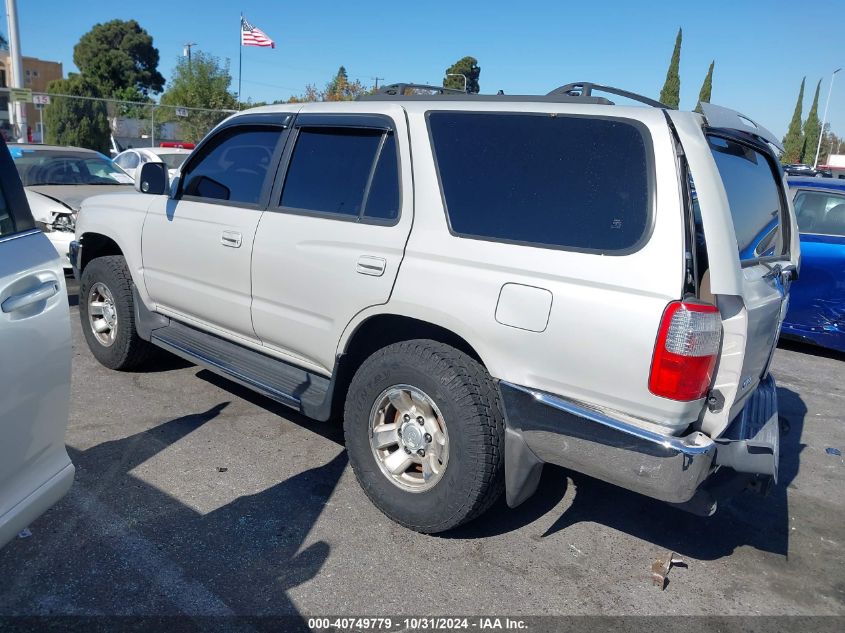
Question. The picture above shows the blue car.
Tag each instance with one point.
(817, 303)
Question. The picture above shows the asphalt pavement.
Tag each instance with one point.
(195, 496)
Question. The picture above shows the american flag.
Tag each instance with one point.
(251, 36)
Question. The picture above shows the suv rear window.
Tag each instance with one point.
(754, 198)
(567, 182)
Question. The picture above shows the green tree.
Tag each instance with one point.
(205, 84)
(671, 92)
(793, 142)
(77, 122)
(469, 68)
(341, 89)
(119, 54)
(812, 129)
(706, 88)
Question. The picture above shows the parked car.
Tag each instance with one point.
(132, 159)
(535, 286)
(57, 180)
(799, 169)
(817, 305)
(35, 356)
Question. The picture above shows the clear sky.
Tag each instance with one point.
(762, 48)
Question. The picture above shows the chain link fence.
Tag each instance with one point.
(106, 125)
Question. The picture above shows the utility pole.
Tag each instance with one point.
(824, 118)
(17, 67)
(188, 46)
(377, 79)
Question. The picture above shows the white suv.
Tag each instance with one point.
(481, 284)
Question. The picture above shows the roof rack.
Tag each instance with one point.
(398, 90)
(584, 89)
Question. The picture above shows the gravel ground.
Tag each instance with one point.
(195, 496)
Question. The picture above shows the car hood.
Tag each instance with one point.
(72, 196)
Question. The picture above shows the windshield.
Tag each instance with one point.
(173, 161)
(65, 167)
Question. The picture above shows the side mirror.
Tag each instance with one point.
(152, 178)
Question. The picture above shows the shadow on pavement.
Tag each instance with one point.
(128, 547)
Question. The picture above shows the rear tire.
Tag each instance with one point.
(107, 313)
(422, 379)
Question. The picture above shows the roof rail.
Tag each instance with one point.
(400, 88)
(585, 89)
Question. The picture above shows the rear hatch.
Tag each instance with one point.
(751, 254)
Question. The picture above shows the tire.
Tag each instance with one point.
(102, 278)
(464, 395)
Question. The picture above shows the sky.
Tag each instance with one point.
(762, 48)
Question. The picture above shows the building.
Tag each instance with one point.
(37, 74)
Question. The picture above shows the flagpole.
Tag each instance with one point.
(240, 57)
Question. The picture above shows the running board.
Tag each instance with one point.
(292, 386)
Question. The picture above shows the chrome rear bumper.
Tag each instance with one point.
(543, 428)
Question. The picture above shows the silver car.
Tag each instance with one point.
(35, 348)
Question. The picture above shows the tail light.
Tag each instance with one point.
(686, 351)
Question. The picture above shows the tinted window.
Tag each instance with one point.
(819, 212)
(329, 170)
(569, 182)
(65, 167)
(383, 199)
(753, 196)
(7, 224)
(233, 166)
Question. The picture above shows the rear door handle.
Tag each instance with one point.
(41, 293)
(369, 265)
(231, 239)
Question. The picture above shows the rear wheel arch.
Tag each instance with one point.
(377, 332)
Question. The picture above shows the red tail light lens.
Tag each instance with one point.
(686, 351)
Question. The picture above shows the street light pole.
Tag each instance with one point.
(188, 46)
(459, 75)
(824, 118)
(17, 67)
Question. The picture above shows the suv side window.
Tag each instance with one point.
(128, 160)
(352, 172)
(568, 182)
(233, 165)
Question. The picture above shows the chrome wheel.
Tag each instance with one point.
(408, 437)
(102, 314)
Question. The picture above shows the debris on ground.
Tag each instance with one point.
(222, 469)
(25, 533)
(833, 451)
(575, 551)
(660, 568)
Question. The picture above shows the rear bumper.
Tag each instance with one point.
(543, 428)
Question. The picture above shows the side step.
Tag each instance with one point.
(293, 386)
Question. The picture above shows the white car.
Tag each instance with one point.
(131, 160)
(35, 364)
(57, 180)
(481, 284)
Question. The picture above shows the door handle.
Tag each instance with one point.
(231, 239)
(42, 292)
(369, 265)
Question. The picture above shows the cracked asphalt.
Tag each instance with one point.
(194, 496)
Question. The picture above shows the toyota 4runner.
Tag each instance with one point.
(478, 284)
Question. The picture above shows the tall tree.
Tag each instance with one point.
(469, 68)
(78, 122)
(341, 89)
(117, 55)
(812, 129)
(793, 142)
(706, 88)
(205, 84)
(671, 92)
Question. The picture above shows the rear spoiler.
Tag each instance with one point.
(720, 117)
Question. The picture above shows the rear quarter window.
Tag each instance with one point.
(567, 182)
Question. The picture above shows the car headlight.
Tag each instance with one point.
(64, 222)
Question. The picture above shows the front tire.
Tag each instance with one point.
(425, 435)
(107, 313)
